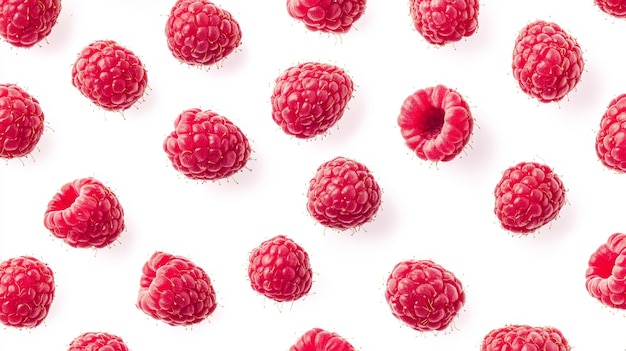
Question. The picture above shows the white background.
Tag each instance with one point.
(443, 212)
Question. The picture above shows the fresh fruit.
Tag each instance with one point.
(330, 16)
(199, 32)
(206, 146)
(309, 98)
(26, 292)
(443, 22)
(524, 338)
(24, 23)
(343, 194)
(280, 269)
(97, 341)
(606, 272)
(176, 291)
(424, 295)
(436, 123)
(85, 214)
(318, 339)
(110, 75)
(610, 141)
(21, 122)
(547, 61)
(528, 196)
(615, 8)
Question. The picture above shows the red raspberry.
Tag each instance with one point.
(26, 292)
(424, 295)
(442, 22)
(85, 213)
(310, 98)
(330, 16)
(318, 339)
(343, 194)
(110, 75)
(201, 33)
(24, 23)
(528, 196)
(206, 146)
(21, 122)
(436, 123)
(610, 141)
(175, 290)
(547, 61)
(615, 8)
(606, 273)
(279, 269)
(93, 341)
(524, 338)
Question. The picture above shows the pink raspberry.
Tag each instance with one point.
(97, 341)
(21, 122)
(606, 272)
(318, 339)
(615, 8)
(443, 22)
(436, 123)
(24, 23)
(330, 16)
(524, 338)
(610, 139)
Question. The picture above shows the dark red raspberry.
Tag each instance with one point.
(343, 194)
(610, 140)
(176, 291)
(110, 75)
(436, 123)
(547, 61)
(442, 22)
(424, 295)
(525, 338)
(206, 146)
(201, 33)
(318, 339)
(97, 341)
(24, 23)
(85, 214)
(26, 292)
(615, 8)
(279, 269)
(528, 196)
(21, 122)
(308, 99)
(606, 272)
(330, 16)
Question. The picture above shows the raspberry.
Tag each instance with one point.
(343, 194)
(206, 146)
(330, 16)
(615, 8)
(547, 61)
(528, 196)
(443, 22)
(424, 295)
(201, 33)
(97, 341)
(110, 75)
(176, 291)
(24, 23)
(308, 99)
(26, 292)
(85, 214)
(21, 122)
(318, 339)
(606, 272)
(436, 123)
(279, 269)
(610, 143)
(524, 338)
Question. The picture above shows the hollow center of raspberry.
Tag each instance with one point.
(431, 122)
(67, 198)
(605, 263)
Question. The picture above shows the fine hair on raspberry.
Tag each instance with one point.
(21, 122)
(610, 147)
(97, 341)
(337, 16)
(24, 24)
(605, 278)
(521, 337)
(443, 22)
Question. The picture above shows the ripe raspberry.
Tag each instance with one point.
(175, 290)
(97, 341)
(206, 146)
(443, 22)
(201, 33)
(528, 196)
(26, 292)
(547, 61)
(436, 123)
(308, 99)
(110, 75)
(85, 213)
(343, 194)
(424, 295)
(21, 122)
(606, 273)
(279, 269)
(524, 338)
(615, 8)
(610, 141)
(24, 23)
(318, 339)
(330, 16)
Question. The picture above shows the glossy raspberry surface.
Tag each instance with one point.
(605, 278)
(611, 137)
(444, 21)
(24, 23)
(97, 341)
(21, 122)
(318, 339)
(330, 16)
(525, 338)
(615, 8)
